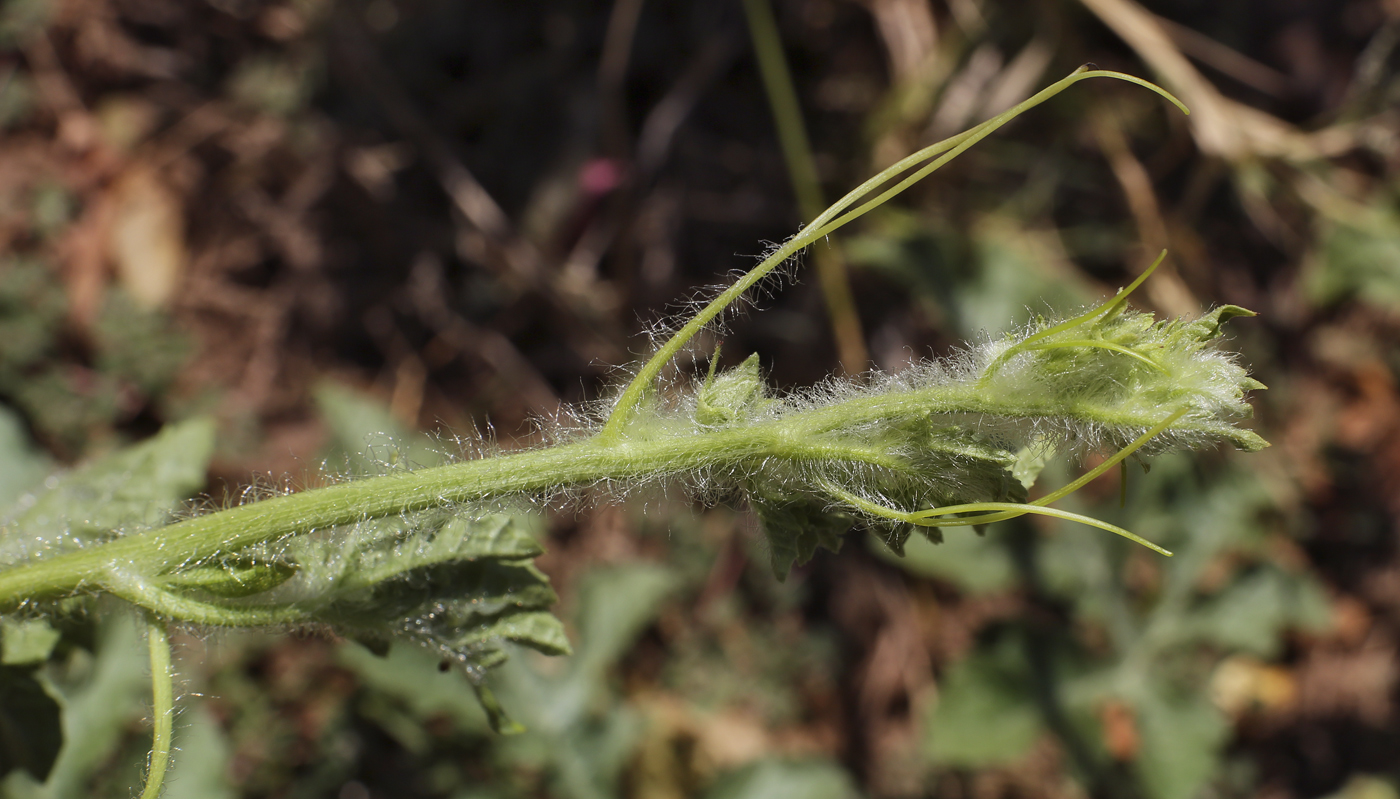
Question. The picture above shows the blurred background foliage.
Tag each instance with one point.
(350, 231)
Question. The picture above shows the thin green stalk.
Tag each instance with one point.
(143, 593)
(1118, 457)
(1006, 510)
(630, 400)
(1019, 507)
(1002, 511)
(1088, 477)
(782, 101)
(194, 540)
(162, 704)
(954, 147)
(802, 171)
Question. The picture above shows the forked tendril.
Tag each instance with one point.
(1001, 511)
(832, 219)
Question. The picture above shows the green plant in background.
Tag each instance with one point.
(135, 356)
(440, 555)
(1147, 648)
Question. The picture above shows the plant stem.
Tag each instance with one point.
(811, 436)
(143, 593)
(162, 704)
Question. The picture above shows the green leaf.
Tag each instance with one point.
(481, 643)
(615, 604)
(367, 437)
(453, 582)
(986, 714)
(101, 695)
(1181, 741)
(796, 526)
(31, 733)
(199, 769)
(22, 467)
(27, 641)
(133, 488)
(1360, 259)
(733, 396)
(456, 584)
(441, 538)
(1252, 614)
(1207, 327)
(785, 779)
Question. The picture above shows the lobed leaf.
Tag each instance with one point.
(27, 641)
(98, 695)
(986, 712)
(1181, 741)
(134, 488)
(796, 526)
(455, 583)
(22, 467)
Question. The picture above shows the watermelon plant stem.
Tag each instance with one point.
(809, 436)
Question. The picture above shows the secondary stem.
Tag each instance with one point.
(162, 704)
(836, 217)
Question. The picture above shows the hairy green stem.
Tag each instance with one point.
(795, 437)
(162, 704)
